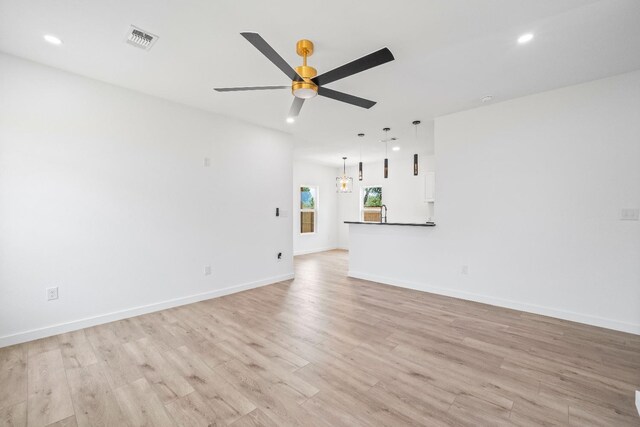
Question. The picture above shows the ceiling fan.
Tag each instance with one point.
(305, 83)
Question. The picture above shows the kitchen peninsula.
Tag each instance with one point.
(386, 252)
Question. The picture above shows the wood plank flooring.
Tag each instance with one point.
(325, 350)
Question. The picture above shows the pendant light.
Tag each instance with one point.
(344, 184)
(415, 156)
(360, 135)
(386, 152)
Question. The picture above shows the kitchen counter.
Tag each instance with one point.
(409, 224)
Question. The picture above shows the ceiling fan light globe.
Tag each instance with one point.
(304, 89)
(304, 93)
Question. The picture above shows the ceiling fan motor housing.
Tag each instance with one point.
(305, 89)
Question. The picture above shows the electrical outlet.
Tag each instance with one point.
(207, 162)
(52, 293)
(207, 270)
(629, 214)
(464, 270)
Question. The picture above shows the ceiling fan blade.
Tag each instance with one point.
(256, 40)
(369, 61)
(237, 89)
(295, 107)
(345, 97)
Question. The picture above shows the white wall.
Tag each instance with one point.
(104, 193)
(402, 192)
(326, 235)
(529, 193)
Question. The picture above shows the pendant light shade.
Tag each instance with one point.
(415, 156)
(344, 183)
(360, 135)
(386, 152)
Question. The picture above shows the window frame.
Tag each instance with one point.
(363, 209)
(314, 210)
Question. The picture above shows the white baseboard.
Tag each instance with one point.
(313, 251)
(74, 325)
(500, 302)
(638, 401)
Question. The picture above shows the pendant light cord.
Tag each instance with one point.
(386, 143)
(415, 124)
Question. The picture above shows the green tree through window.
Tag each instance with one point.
(307, 198)
(372, 197)
(308, 202)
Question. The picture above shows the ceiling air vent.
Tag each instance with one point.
(141, 38)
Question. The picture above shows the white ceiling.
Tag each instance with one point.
(449, 54)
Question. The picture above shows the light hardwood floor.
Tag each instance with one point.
(324, 349)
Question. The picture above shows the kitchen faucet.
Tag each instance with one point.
(383, 218)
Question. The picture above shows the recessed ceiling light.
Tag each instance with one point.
(290, 120)
(525, 38)
(396, 148)
(52, 39)
(486, 98)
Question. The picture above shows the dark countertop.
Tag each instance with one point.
(410, 224)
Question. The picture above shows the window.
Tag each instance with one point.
(308, 209)
(371, 202)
